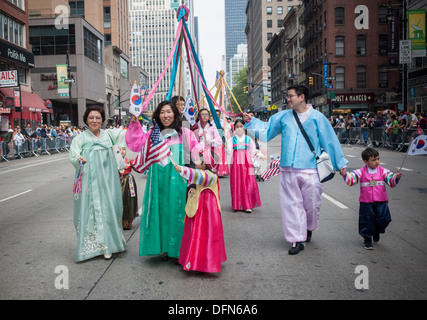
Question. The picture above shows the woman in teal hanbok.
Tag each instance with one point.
(98, 208)
(163, 207)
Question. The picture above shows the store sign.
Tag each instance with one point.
(16, 54)
(355, 98)
(8, 78)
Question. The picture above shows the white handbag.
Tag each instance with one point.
(324, 164)
(117, 155)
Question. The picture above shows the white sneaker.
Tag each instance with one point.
(248, 210)
(107, 256)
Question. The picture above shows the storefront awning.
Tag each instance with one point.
(31, 102)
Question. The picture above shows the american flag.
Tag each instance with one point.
(78, 183)
(154, 151)
(272, 171)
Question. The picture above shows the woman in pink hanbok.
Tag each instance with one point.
(206, 133)
(244, 188)
(223, 169)
(202, 245)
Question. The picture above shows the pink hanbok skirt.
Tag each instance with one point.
(244, 188)
(202, 246)
(223, 169)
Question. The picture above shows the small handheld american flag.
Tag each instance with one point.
(155, 150)
(78, 183)
(272, 171)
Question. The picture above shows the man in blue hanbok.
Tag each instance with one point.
(300, 189)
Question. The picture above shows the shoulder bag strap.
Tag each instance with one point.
(304, 134)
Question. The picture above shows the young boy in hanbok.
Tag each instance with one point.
(202, 246)
(244, 188)
(374, 214)
(129, 192)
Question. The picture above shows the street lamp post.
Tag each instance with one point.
(404, 69)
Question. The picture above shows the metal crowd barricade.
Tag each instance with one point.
(4, 151)
(353, 136)
(34, 147)
(51, 145)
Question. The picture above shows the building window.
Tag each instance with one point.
(280, 10)
(107, 17)
(269, 10)
(340, 77)
(383, 43)
(361, 45)
(107, 39)
(339, 45)
(361, 77)
(77, 8)
(339, 16)
(47, 40)
(269, 23)
(124, 69)
(383, 76)
(92, 46)
(382, 14)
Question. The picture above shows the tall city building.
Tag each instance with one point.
(235, 22)
(238, 62)
(152, 28)
(95, 34)
(264, 19)
(351, 58)
(16, 55)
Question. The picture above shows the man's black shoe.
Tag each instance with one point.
(376, 237)
(367, 244)
(309, 233)
(296, 247)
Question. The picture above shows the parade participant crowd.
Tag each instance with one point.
(181, 216)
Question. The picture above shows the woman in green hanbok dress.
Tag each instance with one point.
(163, 207)
(98, 208)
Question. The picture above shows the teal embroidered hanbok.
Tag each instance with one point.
(98, 208)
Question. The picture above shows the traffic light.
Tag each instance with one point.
(245, 89)
(310, 81)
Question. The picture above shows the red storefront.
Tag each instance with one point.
(32, 109)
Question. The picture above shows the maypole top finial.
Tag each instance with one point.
(222, 72)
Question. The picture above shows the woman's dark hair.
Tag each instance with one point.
(198, 114)
(174, 100)
(91, 108)
(177, 122)
(239, 121)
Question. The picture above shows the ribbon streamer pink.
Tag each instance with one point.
(168, 62)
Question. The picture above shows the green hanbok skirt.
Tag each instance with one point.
(98, 208)
(163, 209)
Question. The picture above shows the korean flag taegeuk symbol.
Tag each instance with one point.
(135, 101)
(418, 146)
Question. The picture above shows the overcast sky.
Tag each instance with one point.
(211, 36)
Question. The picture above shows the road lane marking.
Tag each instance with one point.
(16, 195)
(31, 165)
(405, 169)
(335, 202)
